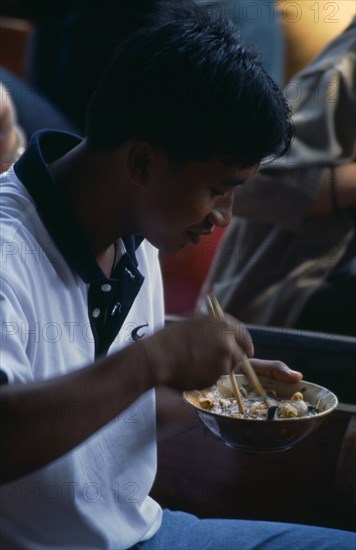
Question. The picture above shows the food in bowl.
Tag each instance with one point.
(220, 400)
(255, 431)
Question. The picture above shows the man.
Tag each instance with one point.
(182, 116)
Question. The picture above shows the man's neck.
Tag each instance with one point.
(93, 191)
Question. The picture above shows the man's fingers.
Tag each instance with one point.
(242, 335)
(274, 369)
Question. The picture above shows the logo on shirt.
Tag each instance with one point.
(136, 335)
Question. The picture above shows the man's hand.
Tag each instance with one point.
(273, 369)
(193, 354)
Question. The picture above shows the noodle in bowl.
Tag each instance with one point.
(275, 423)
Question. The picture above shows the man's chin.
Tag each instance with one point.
(172, 248)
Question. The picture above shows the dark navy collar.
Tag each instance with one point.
(45, 147)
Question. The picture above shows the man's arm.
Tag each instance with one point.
(287, 197)
(41, 421)
(337, 190)
(44, 420)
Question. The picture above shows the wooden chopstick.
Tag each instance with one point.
(215, 310)
(252, 376)
(247, 367)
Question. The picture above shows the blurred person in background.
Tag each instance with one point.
(33, 111)
(12, 137)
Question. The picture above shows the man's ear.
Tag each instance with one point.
(139, 158)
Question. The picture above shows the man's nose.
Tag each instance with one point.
(221, 214)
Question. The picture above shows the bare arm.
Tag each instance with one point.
(345, 191)
(44, 420)
(41, 421)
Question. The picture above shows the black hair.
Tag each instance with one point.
(187, 84)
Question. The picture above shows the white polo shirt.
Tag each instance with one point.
(52, 297)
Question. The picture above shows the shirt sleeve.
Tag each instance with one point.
(14, 361)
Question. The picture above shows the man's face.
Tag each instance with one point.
(179, 205)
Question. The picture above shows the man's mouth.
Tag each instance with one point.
(195, 236)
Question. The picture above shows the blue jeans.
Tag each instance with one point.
(181, 531)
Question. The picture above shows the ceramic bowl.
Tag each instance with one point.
(254, 436)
